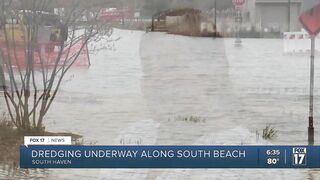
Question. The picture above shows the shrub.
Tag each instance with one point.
(269, 133)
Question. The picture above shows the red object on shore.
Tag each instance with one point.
(310, 20)
(114, 14)
(238, 3)
(46, 55)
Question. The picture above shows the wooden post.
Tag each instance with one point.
(2, 80)
(152, 24)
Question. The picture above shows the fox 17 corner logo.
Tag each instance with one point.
(299, 156)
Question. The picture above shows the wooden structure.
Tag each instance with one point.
(187, 21)
(159, 19)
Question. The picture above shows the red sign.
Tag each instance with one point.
(238, 2)
(311, 20)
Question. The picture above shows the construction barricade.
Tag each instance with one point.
(45, 55)
(298, 42)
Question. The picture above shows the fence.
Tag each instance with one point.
(298, 42)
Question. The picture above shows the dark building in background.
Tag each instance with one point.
(262, 18)
(277, 15)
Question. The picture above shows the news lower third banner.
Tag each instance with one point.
(65, 156)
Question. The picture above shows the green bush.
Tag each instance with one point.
(269, 133)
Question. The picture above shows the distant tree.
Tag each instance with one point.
(151, 7)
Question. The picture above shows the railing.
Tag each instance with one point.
(298, 42)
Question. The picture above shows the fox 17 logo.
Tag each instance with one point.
(299, 157)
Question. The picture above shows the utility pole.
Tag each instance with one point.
(311, 127)
(289, 15)
(215, 18)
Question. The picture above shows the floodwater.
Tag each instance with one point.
(139, 90)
